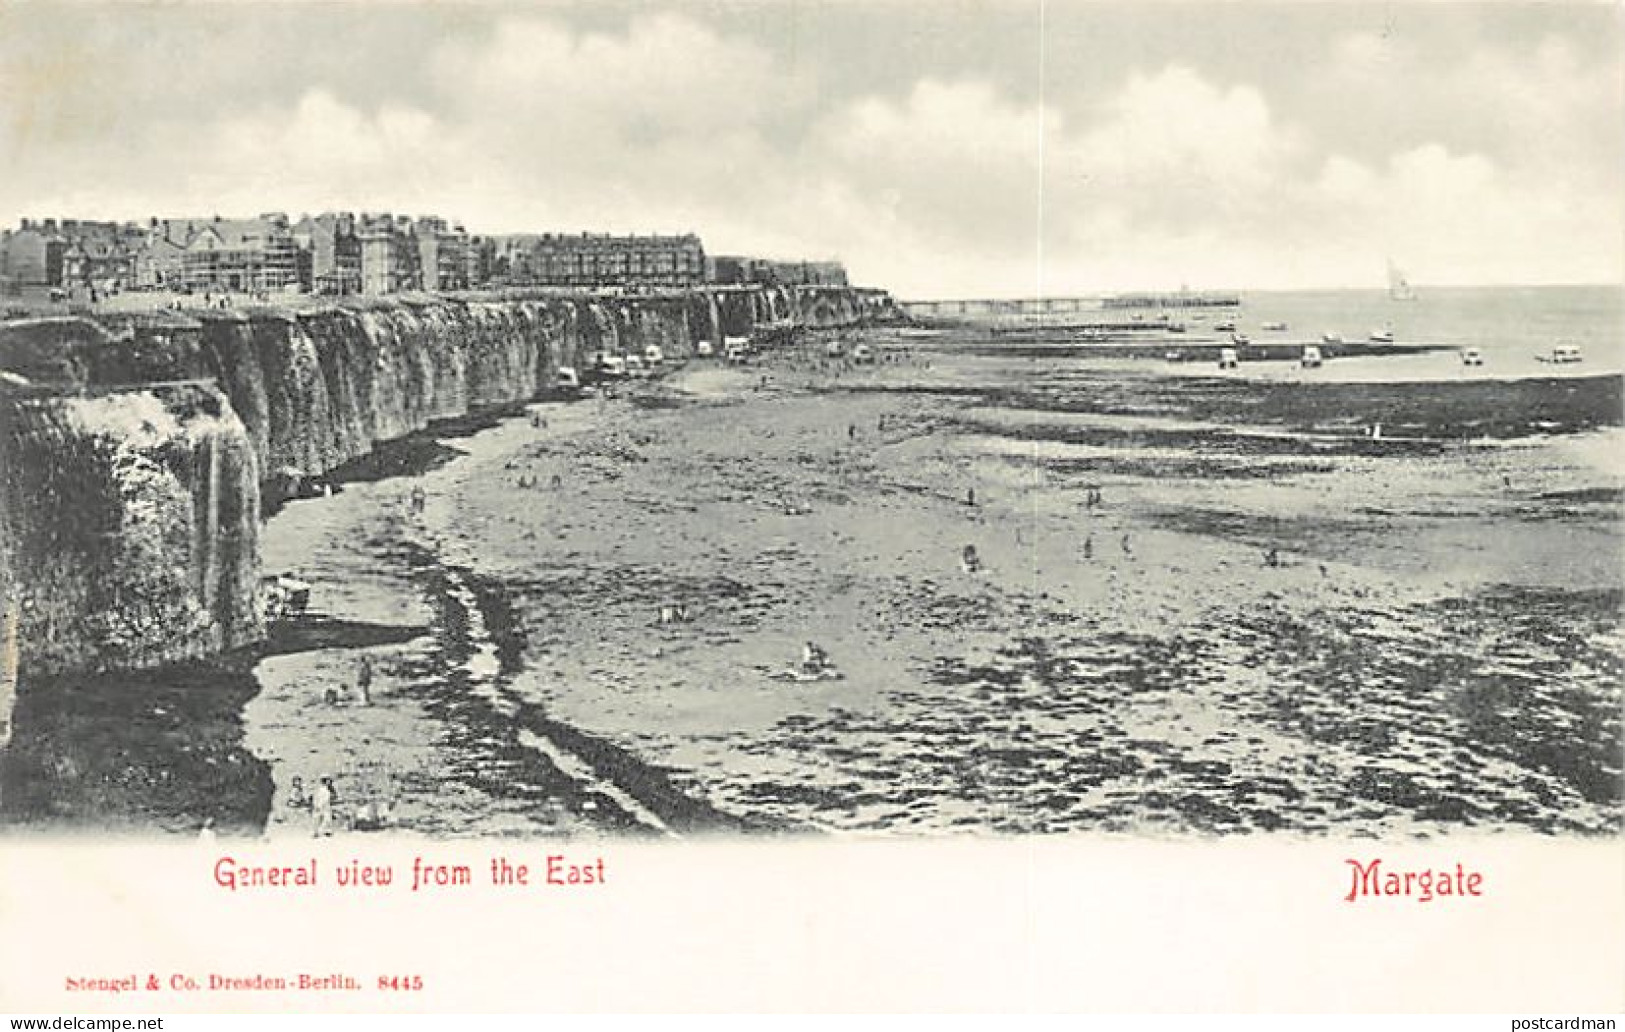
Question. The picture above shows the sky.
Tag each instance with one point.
(950, 148)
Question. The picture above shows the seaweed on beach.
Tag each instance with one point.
(312, 632)
(1199, 467)
(1496, 409)
(490, 735)
(1500, 709)
(1503, 706)
(1263, 531)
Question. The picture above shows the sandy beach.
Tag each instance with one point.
(1181, 623)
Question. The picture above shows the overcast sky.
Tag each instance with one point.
(950, 148)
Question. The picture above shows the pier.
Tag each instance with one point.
(1031, 307)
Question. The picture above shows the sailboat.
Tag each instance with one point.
(1399, 288)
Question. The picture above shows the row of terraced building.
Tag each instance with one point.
(345, 253)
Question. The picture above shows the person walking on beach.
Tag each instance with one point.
(363, 681)
(321, 806)
(1089, 547)
(814, 660)
(969, 561)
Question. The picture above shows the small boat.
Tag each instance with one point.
(1240, 339)
(1399, 288)
(1562, 354)
(1331, 338)
(1382, 336)
(1224, 327)
(1275, 327)
(1472, 356)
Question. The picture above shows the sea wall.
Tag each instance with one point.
(134, 449)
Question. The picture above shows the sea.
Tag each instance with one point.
(1515, 327)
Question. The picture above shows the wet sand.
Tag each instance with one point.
(1435, 644)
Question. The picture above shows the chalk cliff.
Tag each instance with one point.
(131, 526)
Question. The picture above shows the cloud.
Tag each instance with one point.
(1467, 218)
(1540, 104)
(666, 77)
(1495, 161)
(322, 147)
(1173, 134)
(952, 164)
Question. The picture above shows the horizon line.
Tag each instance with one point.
(1176, 292)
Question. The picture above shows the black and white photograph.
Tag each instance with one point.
(769, 422)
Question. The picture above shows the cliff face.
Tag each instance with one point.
(131, 523)
(318, 389)
(133, 465)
